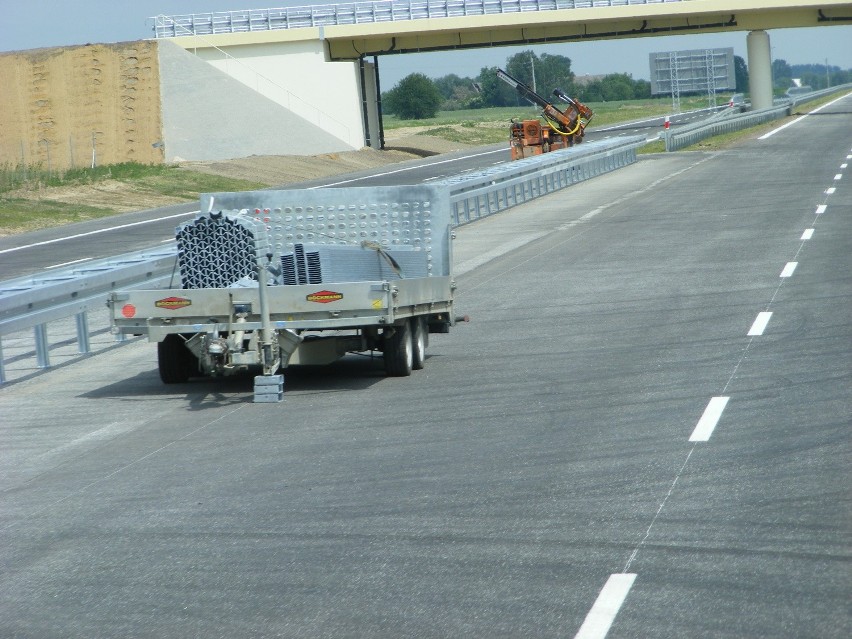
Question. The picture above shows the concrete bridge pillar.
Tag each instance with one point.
(759, 69)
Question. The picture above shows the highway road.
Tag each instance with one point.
(643, 432)
(30, 253)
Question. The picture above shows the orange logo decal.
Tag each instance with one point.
(172, 303)
(324, 297)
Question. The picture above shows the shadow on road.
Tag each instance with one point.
(352, 373)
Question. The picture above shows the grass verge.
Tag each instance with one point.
(22, 207)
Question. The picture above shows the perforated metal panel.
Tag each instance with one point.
(411, 218)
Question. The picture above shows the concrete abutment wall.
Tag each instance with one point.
(155, 101)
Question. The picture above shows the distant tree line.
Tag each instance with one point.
(816, 76)
(414, 98)
(418, 97)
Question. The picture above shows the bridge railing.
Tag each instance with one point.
(359, 12)
(33, 302)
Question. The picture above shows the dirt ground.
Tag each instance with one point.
(63, 106)
(401, 145)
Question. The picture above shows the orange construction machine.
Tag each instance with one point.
(562, 128)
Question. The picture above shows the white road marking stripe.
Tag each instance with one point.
(98, 232)
(484, 258)
(844, 165)
(82, 259)
(830, 190)
(808, 234)
(707, 424)
(407, 168)
(839, 176)
(760, 324)
(799, 119)
(606, 606)
(789, 268)
(821, 209)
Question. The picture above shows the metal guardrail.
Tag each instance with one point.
(477, 195)
(683, 137)
(813, 95)
(32, 302)
(358, 13)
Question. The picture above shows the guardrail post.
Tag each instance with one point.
(42, 347)
(2, 367)
(83, 333)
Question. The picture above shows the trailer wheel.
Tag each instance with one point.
(175, 361)
(419, 342)
(399, 351)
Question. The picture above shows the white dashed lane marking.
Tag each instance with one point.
(707, 424)
(606, 606)
(789, 268)
(760, 324)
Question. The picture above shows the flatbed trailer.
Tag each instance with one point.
(272, 279)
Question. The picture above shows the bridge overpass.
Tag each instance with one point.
(307, 58)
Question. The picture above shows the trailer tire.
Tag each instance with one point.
(419, 342)
(175, 361)
(399, 351)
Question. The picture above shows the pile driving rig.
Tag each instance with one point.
(563, 128)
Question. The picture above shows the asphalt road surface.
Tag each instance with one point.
(643, 432)
(30, 253)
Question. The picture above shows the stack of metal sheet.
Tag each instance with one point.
(326, 263)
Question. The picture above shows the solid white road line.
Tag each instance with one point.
(82, 259)
(808, 234)
(821, 209)
(760, 324)
(799, 119)
(789, 268)
(707, 424)
(98, 232)
(407, 168)
(606, 606)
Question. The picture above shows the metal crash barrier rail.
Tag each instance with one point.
(33, 302)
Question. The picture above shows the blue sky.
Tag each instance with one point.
(32, 24)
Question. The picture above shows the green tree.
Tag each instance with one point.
(493, 91)
(782, 75)
(591, 92)
(616, 87)
(641, 89)
(458, 93)
(551, 72)
(415, 98)
(741, 74)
